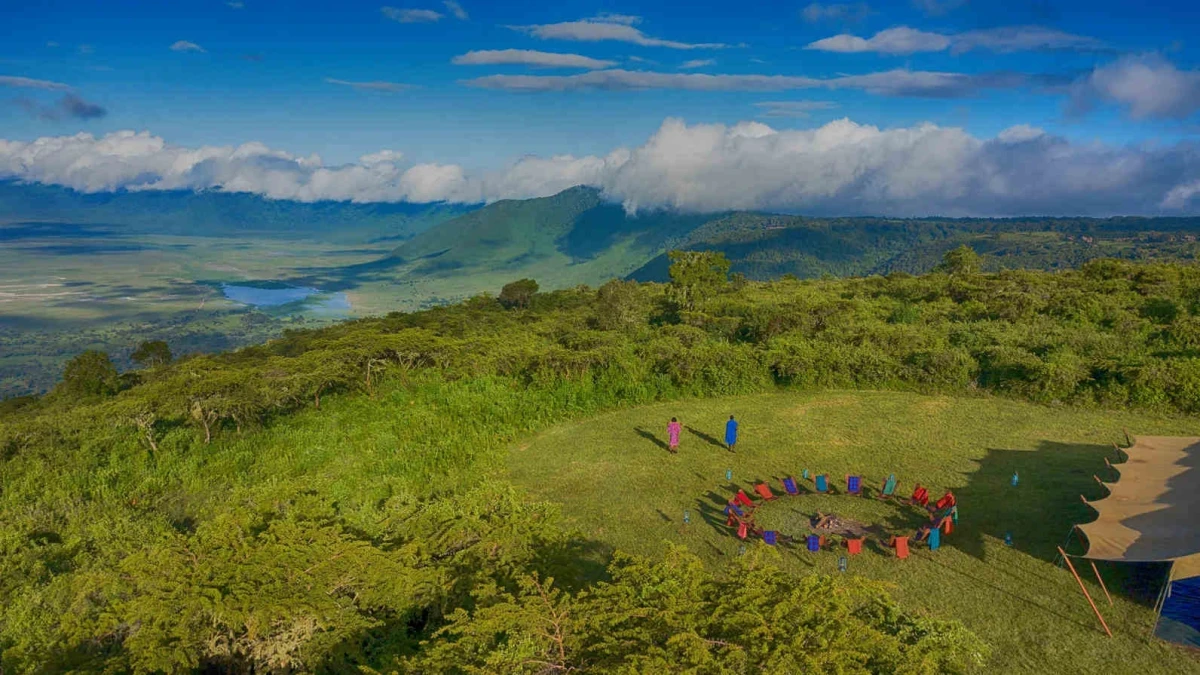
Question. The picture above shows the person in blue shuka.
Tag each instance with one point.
(731, 433)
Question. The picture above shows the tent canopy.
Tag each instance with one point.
(1151, 512)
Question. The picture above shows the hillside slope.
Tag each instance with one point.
(763, 246)
(571, 237)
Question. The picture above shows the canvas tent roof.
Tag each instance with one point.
(1151, 512)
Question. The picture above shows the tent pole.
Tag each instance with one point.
(1066, 543)
(1097, 572)
(1085, 592)
(1162, 599)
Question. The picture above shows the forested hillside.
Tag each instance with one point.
(764, 246)
(331, 499)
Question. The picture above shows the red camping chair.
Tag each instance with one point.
(854, 546)
(947, 525)
(742, 529)
(920, 495)
(733, 513)
(764, 491)
(946, 501)
(743, 499)
(901, 545)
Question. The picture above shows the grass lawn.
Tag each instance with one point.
(617, 483)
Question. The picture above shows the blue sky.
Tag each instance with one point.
(350, 78)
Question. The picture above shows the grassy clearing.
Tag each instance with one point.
(614, 480)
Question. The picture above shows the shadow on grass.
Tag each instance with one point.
(705, 437)
(648, 435)
(1042, 509)
(976, 581)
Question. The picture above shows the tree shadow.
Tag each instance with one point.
(1043, 508)
(652, 438)
(705, 437)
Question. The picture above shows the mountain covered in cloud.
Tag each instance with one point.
(840, 168)
(213, 213)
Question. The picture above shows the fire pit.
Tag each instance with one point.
(828, 523)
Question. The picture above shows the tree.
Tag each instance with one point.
(696, 276)
(152, 353)
(518, 293)
(961, 261)
(677, 616)
(91, 373)
(620, 304)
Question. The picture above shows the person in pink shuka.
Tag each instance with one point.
(673, 431)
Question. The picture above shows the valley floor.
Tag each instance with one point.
(615, 480)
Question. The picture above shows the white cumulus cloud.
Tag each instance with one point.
(373, 85)
(1149, 86)
(457, 10)
(899, 82)
(793, 108)
(905, 40)
(529, 57)
(839, 168)
(849, 13)
(30, 83)
(616, 27)
(185, 46)
(411, 15)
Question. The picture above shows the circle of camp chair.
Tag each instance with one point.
(943, 514)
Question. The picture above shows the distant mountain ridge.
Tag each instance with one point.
(577, 237)
(213, 213)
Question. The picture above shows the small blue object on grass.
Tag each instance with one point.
(805, 474)
(770, 537)
(1015, 479)
(842, 564)
(728, 474)
(687, 516)
(1008, 539)
(742, 549)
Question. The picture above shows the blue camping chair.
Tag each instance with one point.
(854, 485)
(935, 539)
(814, 543)
(790, 487)
(770, 537)
(822, 483)
(804, 474)
(732, 509)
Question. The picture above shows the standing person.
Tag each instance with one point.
(673, 431)
(731, 433)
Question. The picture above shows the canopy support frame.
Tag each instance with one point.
(1085, 592)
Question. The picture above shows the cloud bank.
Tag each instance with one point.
(840, 168)
(411, 15)
(902, 40)
(185, 46)
(30, 83)
(375, 85)
(848, 13)
(529, 57)
(1149, 86)
(615, 27)
(899, 82)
